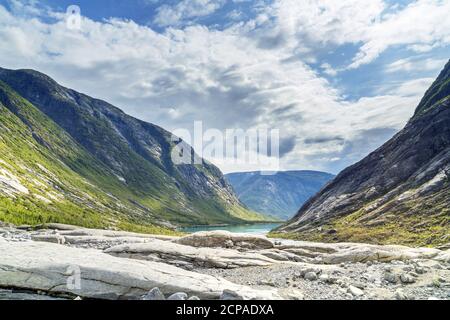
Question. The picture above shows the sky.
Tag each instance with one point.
(337, 78)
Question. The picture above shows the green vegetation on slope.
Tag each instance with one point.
(59, 181)
(437, 93)
(130, 159)
(38, 156)
(415, 224)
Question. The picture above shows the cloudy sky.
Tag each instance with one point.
(337, 78)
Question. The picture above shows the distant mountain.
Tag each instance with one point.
(279, 195)
(398, 194)
(67, 157)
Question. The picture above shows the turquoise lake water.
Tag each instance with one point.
(259, 228)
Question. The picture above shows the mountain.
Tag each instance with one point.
(66, 157)
(279, 195)
(398, 194)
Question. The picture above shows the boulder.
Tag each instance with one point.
(324, 278)
(154, 294)
(407, 278)
(391, 277)
(178, 296)
(231, 295)
(311, 276)
(354, 291)
(224, 239)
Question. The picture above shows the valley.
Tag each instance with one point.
(280, 194)
(88, 189)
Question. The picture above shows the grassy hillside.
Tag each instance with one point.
(48, 176)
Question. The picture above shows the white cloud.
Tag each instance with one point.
(328, 69)
(241, 77)
(175, 15)
(422, 24)
(412, 88)
(414, 64)
(235, 15)
(25, 7)
(372, 25)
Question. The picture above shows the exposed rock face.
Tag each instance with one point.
(399, 193)
(279, 195)
(47, 267)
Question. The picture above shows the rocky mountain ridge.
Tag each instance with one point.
(400, 193)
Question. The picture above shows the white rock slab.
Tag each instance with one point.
(205, 257)
(335, 253)
(48, 267)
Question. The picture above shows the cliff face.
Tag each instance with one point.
(399, 193)
(122, 157)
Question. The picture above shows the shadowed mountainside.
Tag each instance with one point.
(398, 194)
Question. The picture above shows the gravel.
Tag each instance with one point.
(355, 281)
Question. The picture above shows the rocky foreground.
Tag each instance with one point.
(66, 261)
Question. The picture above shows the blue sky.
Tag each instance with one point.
(338, 78)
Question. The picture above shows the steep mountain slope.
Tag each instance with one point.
(279, 195)
(398, 194)
(60, 144)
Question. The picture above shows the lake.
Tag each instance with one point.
(257, 228)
